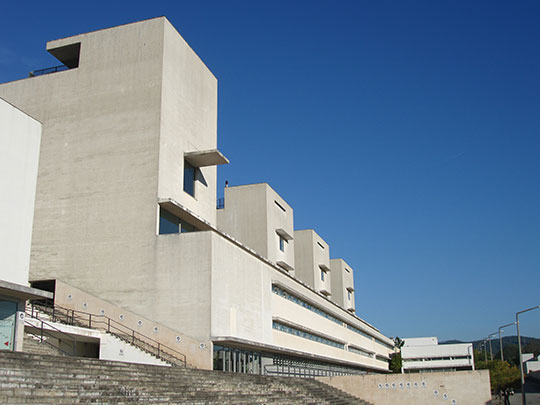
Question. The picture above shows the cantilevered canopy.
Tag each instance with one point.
(284, 234)
(21, 291)
(212, 157)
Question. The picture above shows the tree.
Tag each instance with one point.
(396, 362)
(501, 373)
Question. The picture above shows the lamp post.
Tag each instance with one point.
(523, 398)
(490, 348)
(500, 338)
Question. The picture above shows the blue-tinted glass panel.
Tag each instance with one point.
(189, 178)
(168, 223)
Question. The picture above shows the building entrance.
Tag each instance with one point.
(8, 313)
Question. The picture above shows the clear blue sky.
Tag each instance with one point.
(407, 134)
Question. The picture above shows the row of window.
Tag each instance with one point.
(379, 341)
(296, 300)
(437, 358)
(301, 302)
(306, 335)
(360, 352)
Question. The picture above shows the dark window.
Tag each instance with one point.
(282, 242)
(169, 223)
(322, 275)
(189, 178)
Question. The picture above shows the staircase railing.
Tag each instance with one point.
(106, 324)
(46, 332)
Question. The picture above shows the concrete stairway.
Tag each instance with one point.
(28, 378)
(34, 346)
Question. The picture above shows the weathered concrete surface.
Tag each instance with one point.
(453, 388)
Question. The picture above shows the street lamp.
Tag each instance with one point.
(490, 348)
(500, 338)
(523, 399)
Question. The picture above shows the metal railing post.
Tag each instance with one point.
(90, 321)
(108, 324)
(41, 332)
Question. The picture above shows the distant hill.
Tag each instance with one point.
(529, 344)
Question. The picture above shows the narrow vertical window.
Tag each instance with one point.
(189, 178)
(322, 275)
(282, 243)
(349, 295)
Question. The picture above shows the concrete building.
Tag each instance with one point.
(126, 213)
(312, 257)
(20, 137)
(424, 355)
(256, 215)
(342, 284)
(530, 363)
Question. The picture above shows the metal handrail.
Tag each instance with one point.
(48, 70)
(103, 322)
(48, 334)
(304, 372)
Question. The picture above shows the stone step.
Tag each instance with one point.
(28, 378)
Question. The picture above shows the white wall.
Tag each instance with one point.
(244, 306)
(455, 388)
(112, 348)
(430, 353)
(20, 137)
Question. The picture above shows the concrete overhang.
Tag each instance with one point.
(324, 267)
(240, 343)
(325, 292)
(351, 289)
(212, 157)
(284, 234)
(285, 265)
(174, 207)
(67, 54)
(22, 292)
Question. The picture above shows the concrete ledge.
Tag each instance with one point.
(21, 291)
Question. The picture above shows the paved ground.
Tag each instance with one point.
(532, 392)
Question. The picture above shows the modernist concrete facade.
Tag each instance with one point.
(126, 212)
(20, 137)
(421, 355)
(342, 284)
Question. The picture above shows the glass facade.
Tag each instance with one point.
(169, 223)
(237, 360)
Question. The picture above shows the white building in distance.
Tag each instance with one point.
(425, 355)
